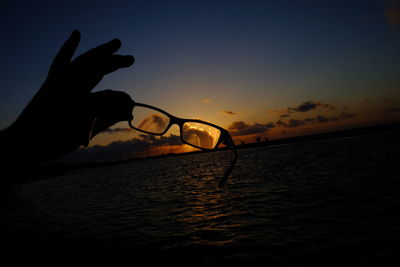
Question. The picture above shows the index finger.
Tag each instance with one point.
(67, 50)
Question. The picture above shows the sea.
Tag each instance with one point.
(329, 202)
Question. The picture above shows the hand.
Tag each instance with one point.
(64, 114)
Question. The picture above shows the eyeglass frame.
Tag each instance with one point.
(180, 122)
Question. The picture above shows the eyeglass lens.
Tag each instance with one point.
(149, 120)
(200, 134)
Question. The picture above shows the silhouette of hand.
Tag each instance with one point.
(64, 114)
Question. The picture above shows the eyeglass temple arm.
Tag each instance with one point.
(228, 172)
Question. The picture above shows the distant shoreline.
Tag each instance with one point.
(58, 168)
(326, 135)
(289, 140)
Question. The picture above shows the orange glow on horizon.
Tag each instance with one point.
(165, 150)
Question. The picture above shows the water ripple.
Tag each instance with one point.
(287, 205)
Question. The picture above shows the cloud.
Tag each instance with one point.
(206, 101)
(152, 140)
(345, 115)
(228, 112)
(240, 128)
(292, 123)
(284, 116)
(345, 109)
(310, 105)
(143, 142)
(304, 107)
(116, 130)
(392, 12)
(122, 149)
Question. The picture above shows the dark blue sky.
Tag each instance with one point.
(249, 57)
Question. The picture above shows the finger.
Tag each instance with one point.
(105, 49)
(110, 107)
(95, 60)
(64, 56)
(100, 66)
(114, 62)
(90, 72)
(111, 103)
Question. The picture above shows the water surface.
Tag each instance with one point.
(319, 203)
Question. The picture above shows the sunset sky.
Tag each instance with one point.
(256, 68)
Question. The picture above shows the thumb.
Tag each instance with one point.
(110, 107)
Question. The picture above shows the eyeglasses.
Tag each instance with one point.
(196, 133)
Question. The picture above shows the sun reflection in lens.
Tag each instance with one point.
(200, 135)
